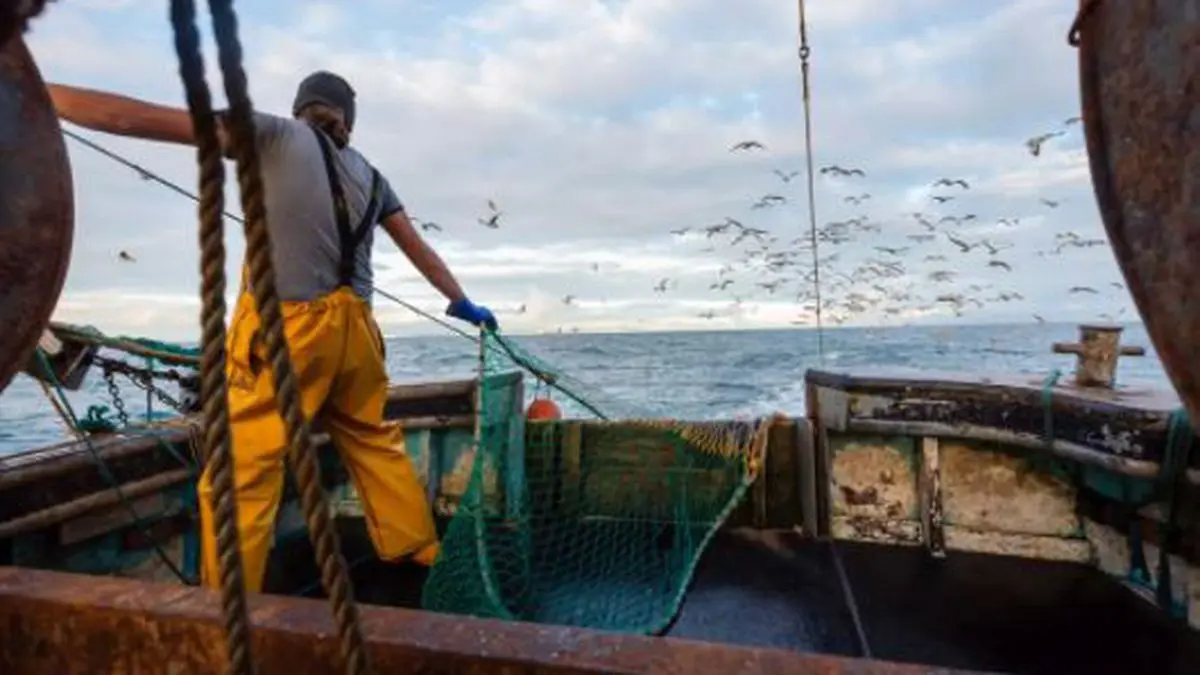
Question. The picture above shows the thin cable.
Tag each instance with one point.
(142, 171)
(808, 157)
(863, 645)
(844, 579)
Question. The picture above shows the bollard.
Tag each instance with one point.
(1098, 349)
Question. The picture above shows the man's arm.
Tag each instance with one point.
(115, 114)
(424, 258)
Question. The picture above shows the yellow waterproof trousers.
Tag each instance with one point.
(337, 355)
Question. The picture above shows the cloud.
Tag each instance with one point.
(600, 126)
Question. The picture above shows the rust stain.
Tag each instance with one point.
(1140, 83)
(985, 490)
(61, 624)
(37, 219)
(858, 471)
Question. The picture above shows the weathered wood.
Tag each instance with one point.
(781, 475)
(819, 468)
(806, 474)
(930, 488)
(1129, 424)
(54, 515)
(572, 467)
(1013, 478)
(1065, 449)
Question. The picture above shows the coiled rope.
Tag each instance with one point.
(314, 502)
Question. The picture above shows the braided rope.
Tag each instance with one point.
(212, 320)
(314, 502)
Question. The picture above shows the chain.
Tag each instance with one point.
(114, 392)
(143, 379)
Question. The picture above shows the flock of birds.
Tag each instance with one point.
(923, 263)
(906, 268)
(898, 269)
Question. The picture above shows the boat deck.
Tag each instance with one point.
(975, 612)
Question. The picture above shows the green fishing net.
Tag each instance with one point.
(588, 521)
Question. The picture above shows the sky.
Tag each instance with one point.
(599, 127)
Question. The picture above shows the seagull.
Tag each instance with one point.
(126, 257)
(1035, 144)
(747, 145)
(951, 182)
(839, 171)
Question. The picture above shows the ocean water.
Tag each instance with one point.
(693, 375)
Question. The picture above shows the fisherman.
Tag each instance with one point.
(323, 200)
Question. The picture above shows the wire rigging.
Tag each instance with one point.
(804, 53)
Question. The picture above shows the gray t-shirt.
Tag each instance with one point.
(300, 215)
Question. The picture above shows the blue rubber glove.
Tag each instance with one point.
(473, 314)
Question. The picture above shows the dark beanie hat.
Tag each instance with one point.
(325, 87)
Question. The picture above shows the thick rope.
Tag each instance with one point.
(217, 450)
(313, 500)
(812, 199)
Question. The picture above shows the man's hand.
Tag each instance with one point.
(465, 310)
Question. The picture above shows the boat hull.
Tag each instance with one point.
(963, 535)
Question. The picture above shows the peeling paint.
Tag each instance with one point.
(1001, 492)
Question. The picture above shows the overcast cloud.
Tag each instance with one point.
(600, 126)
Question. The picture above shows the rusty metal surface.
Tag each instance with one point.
(36, 208)
(15, 16)
(63, 624)
(1139, 68)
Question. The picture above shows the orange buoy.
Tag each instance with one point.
(543, 409)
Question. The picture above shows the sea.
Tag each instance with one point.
(689, 375)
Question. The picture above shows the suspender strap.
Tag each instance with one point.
(349, 239)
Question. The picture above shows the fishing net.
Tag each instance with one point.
(585, 521)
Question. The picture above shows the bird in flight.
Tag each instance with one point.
(125, 256)
(747, 145)
(1034, 145)
(785, 177)
(839, 171)
(941, 199)
(492, 221)
(951, 182)
(427, 225)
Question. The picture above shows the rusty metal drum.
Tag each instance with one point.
(37, 219)
(1139, 67)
